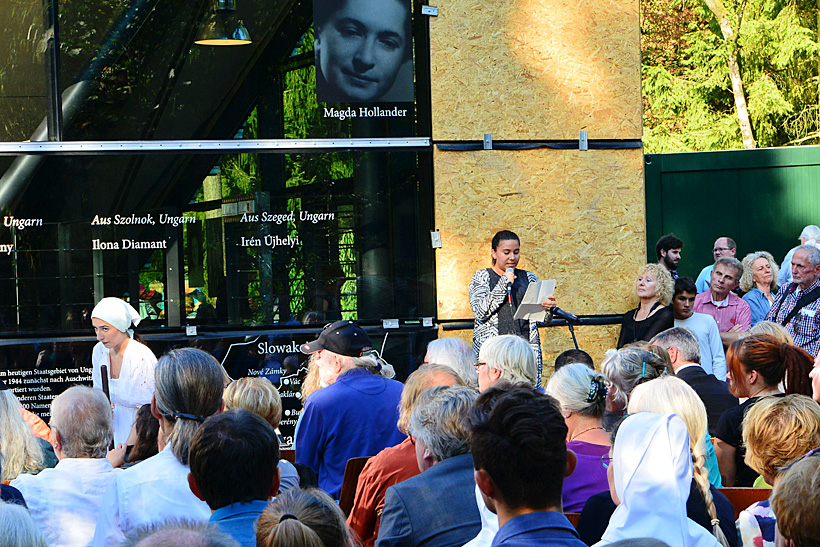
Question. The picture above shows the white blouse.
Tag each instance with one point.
(132, 389)
(153, 491)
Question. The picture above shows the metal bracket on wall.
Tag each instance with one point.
(488, 141)
(432, 11)
(435, 239)
(583, 141)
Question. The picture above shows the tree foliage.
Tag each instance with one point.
(688, 97)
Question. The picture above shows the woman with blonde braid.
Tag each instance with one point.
(671, 395)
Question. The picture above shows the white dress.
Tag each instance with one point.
(132, 389)
(152, 492)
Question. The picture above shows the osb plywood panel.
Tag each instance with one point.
(580, 217)
(536, 69)
(594, 340)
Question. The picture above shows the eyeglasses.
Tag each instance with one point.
(606, 460)
(479, 365)
(412, 439)
(721, 249)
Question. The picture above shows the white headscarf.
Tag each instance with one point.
(653, 475)
(117, 313)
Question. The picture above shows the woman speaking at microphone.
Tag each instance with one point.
(496, 292)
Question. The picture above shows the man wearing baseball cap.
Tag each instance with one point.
(356, 411)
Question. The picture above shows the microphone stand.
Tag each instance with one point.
(106, 390)
(572, 332)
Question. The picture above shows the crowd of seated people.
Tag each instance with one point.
(463, 453)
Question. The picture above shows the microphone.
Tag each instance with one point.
(565, 315)
(509, 286)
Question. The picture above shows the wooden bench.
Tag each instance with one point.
(573, 518)
(353, 468)
(741, 498)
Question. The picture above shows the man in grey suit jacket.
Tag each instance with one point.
(682, 347)
(438, 507)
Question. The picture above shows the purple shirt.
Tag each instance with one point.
(732, 311)
(589, 476)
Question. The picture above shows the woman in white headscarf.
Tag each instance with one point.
(130, 364)
(649, 478)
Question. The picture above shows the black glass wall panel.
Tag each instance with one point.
(230, 241)
(22, 69)
(131, 70)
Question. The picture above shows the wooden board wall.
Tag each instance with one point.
(536, 69)
(580, 217)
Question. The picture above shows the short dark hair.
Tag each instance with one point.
(684, 284)
(518, 437)
(233, 458)
(669, 241)
(574, 356)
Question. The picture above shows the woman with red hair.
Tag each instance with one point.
(756, 368)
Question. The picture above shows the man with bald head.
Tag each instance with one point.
(65, 501)
(797, 304)
(724, 246)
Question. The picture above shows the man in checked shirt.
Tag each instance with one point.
(797, 304)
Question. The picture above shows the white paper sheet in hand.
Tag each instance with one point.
(530, 307)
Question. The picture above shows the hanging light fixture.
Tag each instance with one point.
(221, 27)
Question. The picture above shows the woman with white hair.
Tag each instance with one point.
(17, 528)
(624, 369)
(506, 357)
(189, 385)
(130, 364)
(455, 354)
(22, 452)
(759, 282)
(581, 393)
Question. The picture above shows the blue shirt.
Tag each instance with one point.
(759, 303)
(353, 417)
(238, 520)
(704, 278)
(537, 529)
